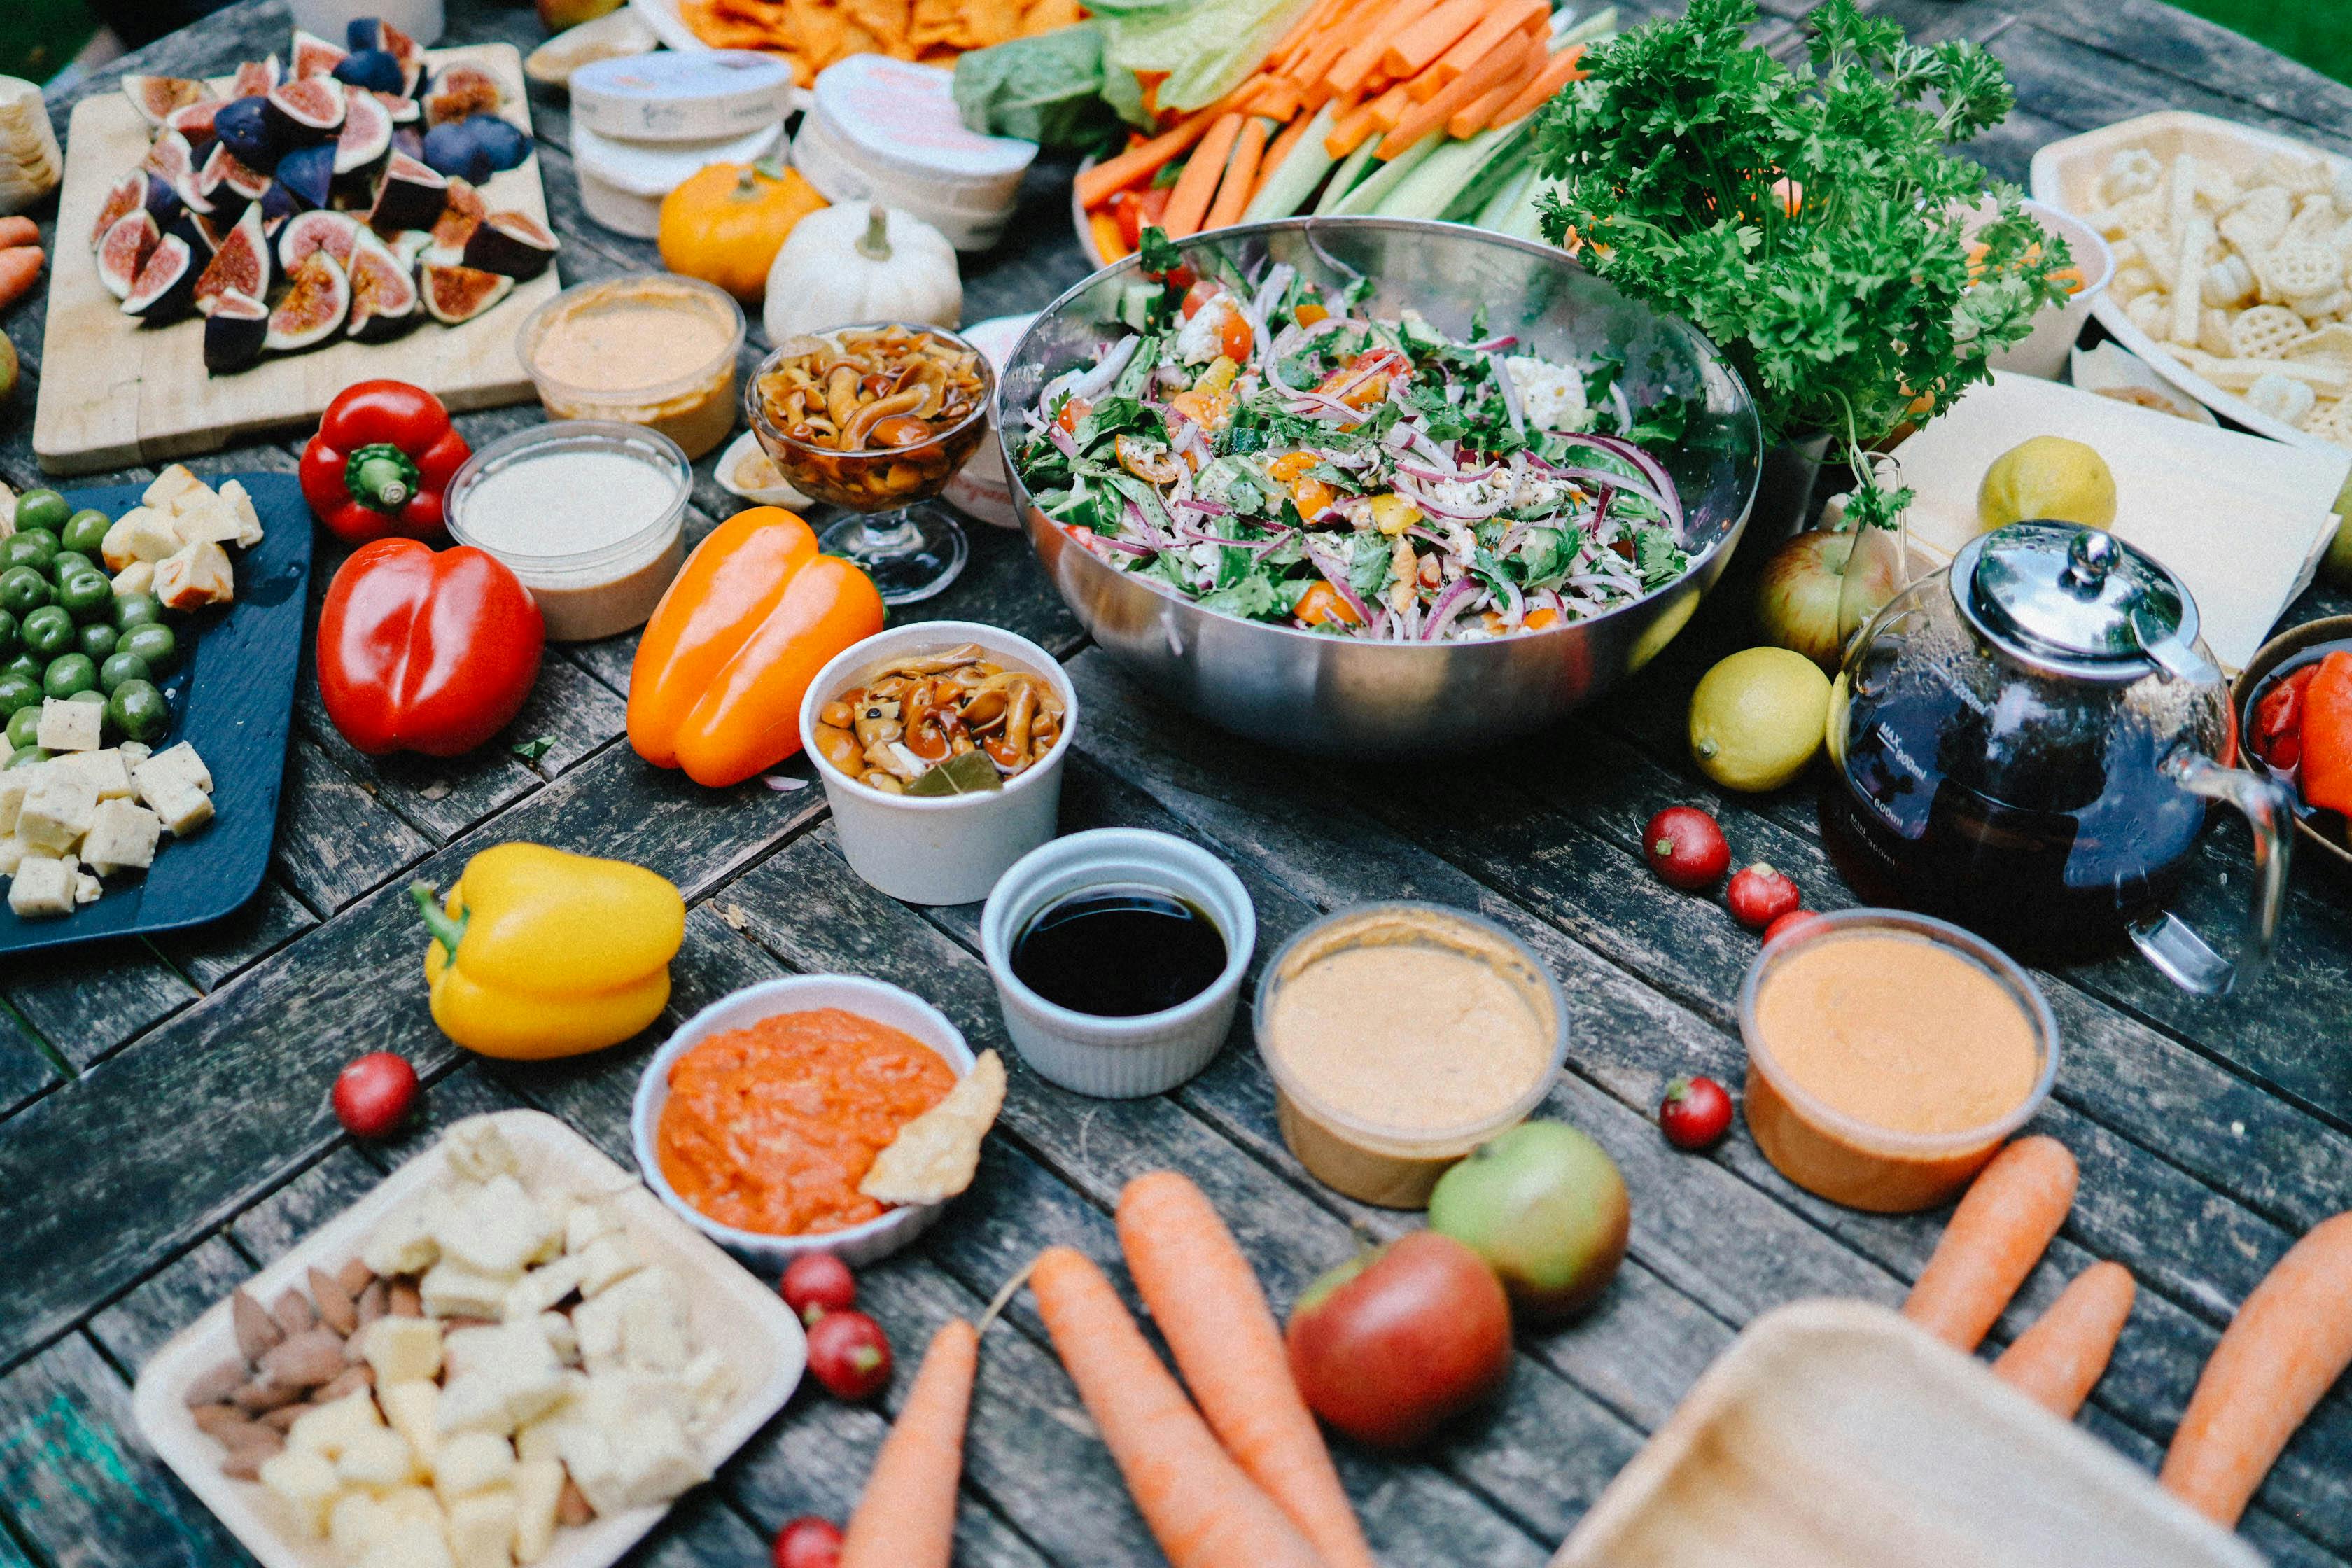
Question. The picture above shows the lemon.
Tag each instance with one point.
(1835, 739)
(2049, 477)
(1757, 719)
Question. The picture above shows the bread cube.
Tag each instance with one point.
(70, 726)
(470, 1461)
(506, 1348)
(537, 1488)
(328, 1428)
(240, 502)
(401, 1349)
(306, 1482)
(376, 1457)
(42, 887)
(709, 1383)
(175, 784)
(208, 521)
(411, 1507)
(196, 576)
(478, 1151)
(586, 1450)
(482, 1528)
(142, 533)
(137, 577)
(413, 1408)
(174, 488)
(121, 837)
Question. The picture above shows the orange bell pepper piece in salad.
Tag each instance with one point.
(723, 664)
(2326, 775)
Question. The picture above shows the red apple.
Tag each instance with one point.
(1804, 585)
(1391, 1346)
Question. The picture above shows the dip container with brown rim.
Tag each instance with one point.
(1378, 1092)
(657, 350)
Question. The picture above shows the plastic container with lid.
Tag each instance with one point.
(884, 129)
(622, 184)
(677, 97)
(589, 514)
(655, 350)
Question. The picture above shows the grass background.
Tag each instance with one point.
(2316, 32)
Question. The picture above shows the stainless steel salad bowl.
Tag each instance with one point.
(1314, 692)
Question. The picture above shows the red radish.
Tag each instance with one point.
(849, 1353)
(1790, 921)
(1758, 894)
(1686, 848)
(372, 1094)
(1695, 1114)
(808, 1541)
(818, 1283)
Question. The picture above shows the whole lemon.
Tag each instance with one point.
(1757, 719)
(2049, 477)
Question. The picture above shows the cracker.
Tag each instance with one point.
(2213, 331)
(2266, 331)
(2129, 282)
(2298, 174)
(2149, 312)
(2330, 344)
(2329, 419)
(2257, 222)
(2133, 171)
(2238, 374)
(2196, 239)
(2304, 271)
(2228, 282)
(2281, 397)
(935, 1156)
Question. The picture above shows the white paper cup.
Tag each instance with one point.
(2043, 352)
(939, 849)
(1118, 1058)
(885, 1003)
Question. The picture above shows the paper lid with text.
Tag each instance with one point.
(673, 96)
(904, 116)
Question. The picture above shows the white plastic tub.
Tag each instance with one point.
(888, 131)
(622, 184)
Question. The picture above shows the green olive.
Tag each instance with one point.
(87, 597)
(48, 632)
(86, 531)
(136, 610)
(43, 508)
(139, 711)
(121, 665)
(29, 547)
(27, 756)
(71, 564)
(26, 664)
(67, 675)
(97, 640)
(155, 644)
(24, 588)
(19, 691)
(10, 638)
(23, 724)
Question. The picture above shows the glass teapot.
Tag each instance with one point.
(2028, 742)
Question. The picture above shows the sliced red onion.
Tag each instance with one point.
(1379, 624)
(1492, 344)
(1324, 407)
(1510, 398)
(1432, 538)
(1452, 511)
(1138, 520)
(1548, 599)
(1337, 578)
(1409, 622)
(1123, 546)
(1108, 371)
(1194, 503)
(1438, 476)
(1511, 537)
(1450, 604)
(1277, 279)
(1666, 499)
(1062, 441)
(1515, 604)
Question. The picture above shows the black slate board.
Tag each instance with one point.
(233, 698)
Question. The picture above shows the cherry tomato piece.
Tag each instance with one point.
(1790, 921)
(372, 1094)
(818, 1283)
(1233, 338)
(1073, 410)
(1686, 847)
(1695, 1114)
(1758, 894)
(808, 1541)
(849, 1353)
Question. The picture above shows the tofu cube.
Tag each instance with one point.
(482, 1528)
(468, 1462)
(142, 533)
(208, 521)
(41, 886)
(121, 837)
(138, 577)
(196, 576)
(240, 502)
(478, 1151)
(173, 488)
(537, 1488)
(305, 1483)
(401, 1350)
(376, 1457)
(541, 1288)
(328, 1428)
(452, 1290)
(134, 753)
(175, 784)
(412, 1546)
(413, 1408)
(606, 1261)
(68, 725)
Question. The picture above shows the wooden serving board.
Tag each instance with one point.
(115, 393)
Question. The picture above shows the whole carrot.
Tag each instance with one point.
(1203, 1511)
(905, 1518)
(1214, 1317)
(20, 265)
(2290, 1341)
(1999, 1232)
(2058, 1361)
(16, 231)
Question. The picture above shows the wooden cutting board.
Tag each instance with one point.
(115, 393)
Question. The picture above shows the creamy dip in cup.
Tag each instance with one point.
(655, 350)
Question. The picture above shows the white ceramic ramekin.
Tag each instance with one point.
(875, 999)
(1118, 1058)
(939, 849)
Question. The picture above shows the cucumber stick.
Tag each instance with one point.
(1374, 188)
(1295, 178)
(1500, 205)
(1343, 178)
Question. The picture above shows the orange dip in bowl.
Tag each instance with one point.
(1889, 1055)
(770, 1129)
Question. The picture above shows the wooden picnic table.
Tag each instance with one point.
(163, 1118)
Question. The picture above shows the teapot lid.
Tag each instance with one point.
(2078, 602)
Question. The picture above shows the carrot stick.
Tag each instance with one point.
(19, 267)
(1115, 174)
(1302, 34)
(1348, 131)
(1348, 73)
(16, 231)
(1279, 100)
(1500, 24)
(1110, 244)
(906, 1518)
(1472, 117)
(2058, 1361)
(1562, 68)
(1292, 135)
(1241, 174)
(1997, 1235)
(1431, 36)
(2290, 1341)
(1388, 109)
(1187, 203)
(1500, 65)
(1203, 1511)
(1214, 1317)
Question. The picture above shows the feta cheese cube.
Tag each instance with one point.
(88, 889)
(138, 577)
(606, 1261)
(13, 784)
(538, 1488)
(474, 1401)
(108, 771)
(376, 1457)
(142, 533)
(172, 487)
(327, 1429)
(210, 520)
(68, 725)
(478, 1151)
(240, 501)
(482, 1528)
(122, 836)
(12, 854)
(306, 1482)
(196, 576)
(401, 1349)
(56, 811)
(174, 782)
(41, 886)
(541, 1288)
(470, 1461)
(179, 762)
(413, 1408)
(416, 1546)
(452, 1290)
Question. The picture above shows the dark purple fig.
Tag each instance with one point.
(233, 333)
(376, 69)
(314, 56)
(129, 240)
(366, 135)
(456, 151)
(244, 128)
(126, 196)
(459, 90)
(507, 143)
(383, 293)
(318, 297)
(375, 33)
(241, 265)
(166, 286)
(409, 141)
(255, 77)
(308, 174)
(455, 295)
(412, 195)
(515, 244)
(154, 96)
(277, 205)
(305, 110)
(334, 233)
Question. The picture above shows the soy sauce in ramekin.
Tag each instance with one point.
(1120, 952)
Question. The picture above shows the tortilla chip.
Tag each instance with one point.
(1045, 16)
(935, 1155)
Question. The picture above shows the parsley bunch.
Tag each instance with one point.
(1806, 219)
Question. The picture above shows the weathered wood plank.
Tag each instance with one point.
(2085, 87)
(2196, 55)
(209, 954)
(160, 1306)
(25, 1068)
(335, 840)
(86, 1001)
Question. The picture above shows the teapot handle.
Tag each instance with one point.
(2164, 940)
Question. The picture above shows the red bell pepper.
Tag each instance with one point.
(426, 652)
(384, 454)
(2327, 735)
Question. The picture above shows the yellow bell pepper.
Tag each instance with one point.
(537, 952)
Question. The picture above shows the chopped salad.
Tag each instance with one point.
(1267, 449)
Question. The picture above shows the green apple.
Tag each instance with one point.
(1545, 1206)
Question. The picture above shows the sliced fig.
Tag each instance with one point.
(129, 240)
(366, 135)
(455, 295)
(317, 301)
(306, 111)
(277, 205)
(464, 210)
(243, 127)
(383, 294)
(334, 233)
(515, 244)
(375, 33)
(126, 196)
(166, 286)
(403, 110)
(154, 96)
(411, 197)
(410, 245)
(235, 331)
(408, 140)
(203, 232)
(241, 265)
(314, 56)
(453, 148)
(254, 79)
(308, 174)
(376, 69)
(169, 156)
(194, 121)
(459, 90)
(227, 183)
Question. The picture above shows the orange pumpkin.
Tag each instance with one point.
(726, 224)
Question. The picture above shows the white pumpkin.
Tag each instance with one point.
(848, 264)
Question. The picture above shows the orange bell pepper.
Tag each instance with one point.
(2327, 735)
(723, 664)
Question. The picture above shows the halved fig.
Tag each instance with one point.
(411, 197)
(410, 245)
(317, 301)
(366, 135)
(154, 96)
(408, 140)
(314, 56)
(277, 205)
(375, 33)
(129, 241)
(308, 174)
(166, 286)
(241, 265)
(235, 331)
(383, 294)
(243, 126)
(453, 295)
(334, 233)
(403, 110)
(459, 90)
(194, 121)
(203, 232)
(459, 215)
(169, 156)
(515, 244)
(126, 196)
(254, 79)
(228, 183)
(306, 111)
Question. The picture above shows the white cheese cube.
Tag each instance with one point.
(135, 752)
(177, 762)
(70, 726)
(354, 1522)
(88, 889)
(13, 784)
(413, 1409)
(537, 1488)
(210, 520)
(108, 771)
(586, 1450)
(175, 784)
(402, 1349)
(500, 1350)
(376, 1457)
(174, 485)
(122, 836)
(196, 576)
(537, 1438)
(13, 851)
(498, 1228)
(306, 1482)
(607, 1260)
(474, 1401)
(709, 1383)
(402, 1242)
(640, 1322)
(57, 810)
(40, 887)
(327, 1429)
(482, 1528)
(478, 1151)
(614, 1397)
(585, 1222)
(411, 1507)
(413, 1546)
(137, 577)
(142, 533)
(470, 1461)
(560, 1337)
(655, 1460)
(542, 1288)
(249, 531)
(451, 1289)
